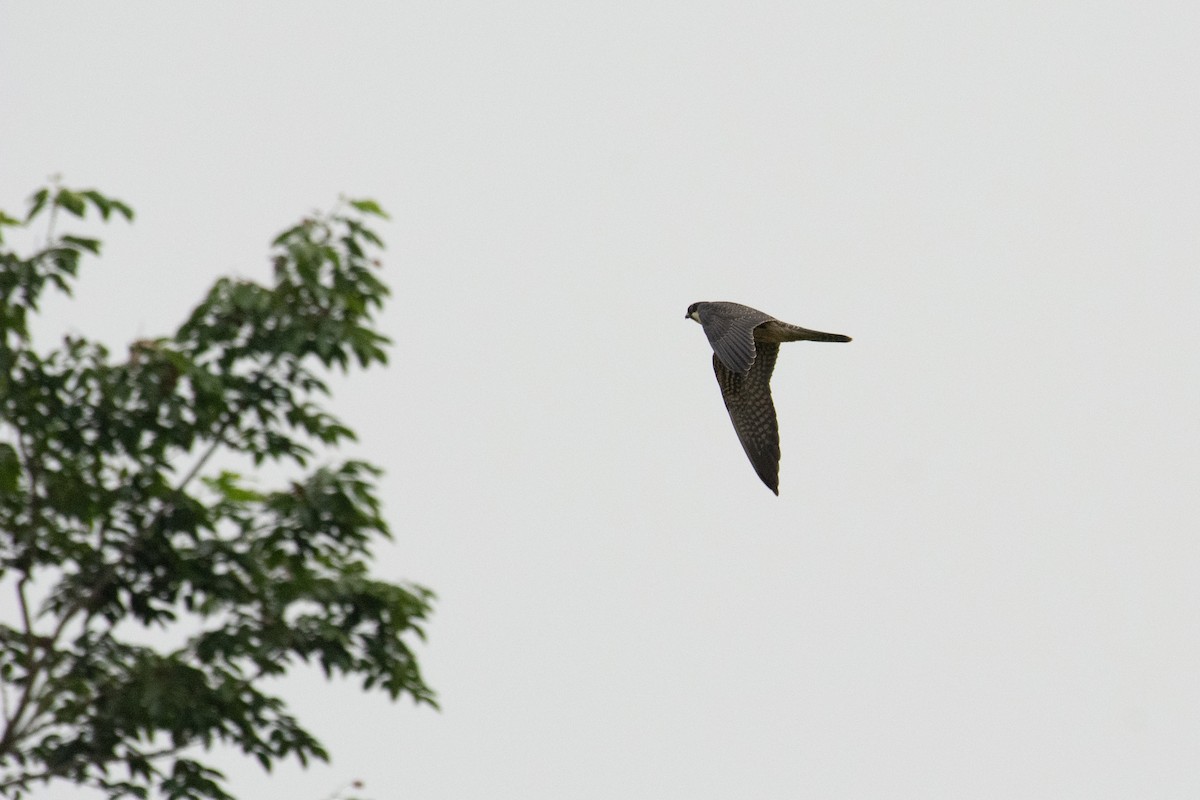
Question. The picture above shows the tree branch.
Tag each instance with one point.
(219, 436)
(32, 668)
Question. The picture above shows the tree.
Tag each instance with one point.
(156, 593)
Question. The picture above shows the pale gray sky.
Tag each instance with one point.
(982, 576)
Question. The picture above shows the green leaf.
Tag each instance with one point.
(6, 221)
(228, 485)
(36, 203)
(122, 209)
(102, 203)
(70, 201)
(91, 245)
(10, 470)
(367, 206)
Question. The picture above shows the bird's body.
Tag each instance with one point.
(745, 343)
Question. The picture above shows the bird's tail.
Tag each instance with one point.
(805, 335)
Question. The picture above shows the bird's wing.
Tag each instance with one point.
(730, 330)
(748, 399)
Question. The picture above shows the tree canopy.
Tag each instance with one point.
(156, 586)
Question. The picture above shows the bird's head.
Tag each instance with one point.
(693, 312)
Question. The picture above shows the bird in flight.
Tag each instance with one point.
(745, 344)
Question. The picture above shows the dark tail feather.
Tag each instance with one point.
(818, 336)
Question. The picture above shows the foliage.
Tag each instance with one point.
(155, 595)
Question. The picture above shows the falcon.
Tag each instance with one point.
(745, 344)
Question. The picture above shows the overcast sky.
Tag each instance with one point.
(981, 578)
